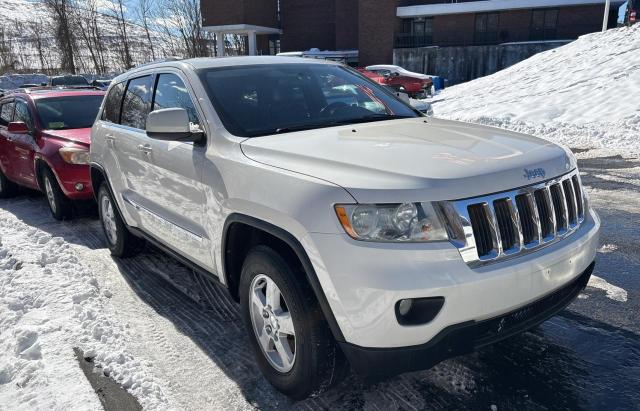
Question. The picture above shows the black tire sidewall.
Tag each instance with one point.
(304, 377)
(62, 203)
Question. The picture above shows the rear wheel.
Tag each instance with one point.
(7, 188)
(120, 241)
(59, 204)
(293, 345)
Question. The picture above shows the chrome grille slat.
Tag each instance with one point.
(579, 198)
(515, 222)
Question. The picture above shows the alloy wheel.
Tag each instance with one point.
(272, 323)
(48, 188)
(109, 220)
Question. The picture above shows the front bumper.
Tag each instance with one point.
(364, 281)
(69, 175)
(462, 338)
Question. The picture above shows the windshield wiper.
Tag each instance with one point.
(365, 119)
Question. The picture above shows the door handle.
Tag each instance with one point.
(145, 148)
(110, 140)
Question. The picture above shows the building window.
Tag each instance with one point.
(487, 26)
(417, 32)
(544, 23)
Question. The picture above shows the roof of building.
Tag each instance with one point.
(489, 5)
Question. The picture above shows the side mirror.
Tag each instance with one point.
(17, 127)
(171, 124)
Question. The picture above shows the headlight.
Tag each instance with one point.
(407, 222)
(74, 155)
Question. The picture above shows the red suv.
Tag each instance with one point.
(44, 144)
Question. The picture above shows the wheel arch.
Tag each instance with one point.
(241, 232)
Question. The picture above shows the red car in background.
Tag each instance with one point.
(416, 85)
(44, 144)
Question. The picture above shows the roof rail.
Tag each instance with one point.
(163, 60)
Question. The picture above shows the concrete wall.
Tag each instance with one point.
(464, 63)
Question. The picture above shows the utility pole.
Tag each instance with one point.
(605, 20)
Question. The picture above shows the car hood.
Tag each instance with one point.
(414, 159)
(76, 135)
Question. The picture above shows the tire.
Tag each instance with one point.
(60, 205)
(317, 361)
(7, 188)
(119, 239)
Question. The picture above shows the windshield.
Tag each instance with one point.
(61, 113)
(279, 98)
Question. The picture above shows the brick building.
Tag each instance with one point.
(377, 27)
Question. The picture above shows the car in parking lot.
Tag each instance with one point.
(69, 80)
(416, 85)
(344, 222)
(44, 144)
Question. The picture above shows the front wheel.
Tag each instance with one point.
(293, 345)
(120, 241)
(59, 204)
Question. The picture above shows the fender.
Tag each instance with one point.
(300, 252)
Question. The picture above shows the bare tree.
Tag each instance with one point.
(117, 10)
(35, 29)
(145, 13)
(60, 11)
(186, 21)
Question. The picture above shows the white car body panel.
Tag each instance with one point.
(414, 159)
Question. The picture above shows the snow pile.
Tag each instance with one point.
(585, 94)
(49, 304)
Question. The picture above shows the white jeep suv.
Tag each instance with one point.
(345, 223)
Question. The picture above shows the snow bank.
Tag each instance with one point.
(50, 303)
(585, 94)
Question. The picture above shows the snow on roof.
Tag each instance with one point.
(583, 94)
(489, 5)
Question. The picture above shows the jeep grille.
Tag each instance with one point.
(497, 226)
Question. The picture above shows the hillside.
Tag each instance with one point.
(585, 94)
(27, 26)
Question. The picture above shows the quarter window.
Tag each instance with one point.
(172, 93)
(135, 106)
(111, 111)
(6, 113)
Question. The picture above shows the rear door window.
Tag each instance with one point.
(135, 106)
(6, 113)
(112, 103)
(171, 92)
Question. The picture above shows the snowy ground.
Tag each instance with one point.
(60, 289)
(585, 94)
